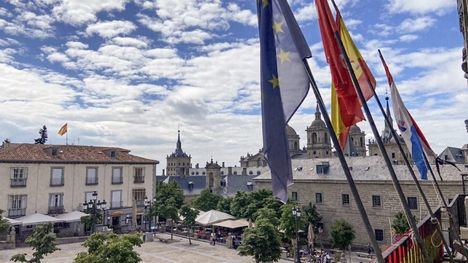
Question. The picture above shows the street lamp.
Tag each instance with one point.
(297, 214)
(94, 206)
(148, 203)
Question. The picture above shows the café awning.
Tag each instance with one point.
(74, 216)
(37, 219)
(212, 217)
(12, 222)
(232, 224)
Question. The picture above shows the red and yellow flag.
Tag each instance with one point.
(346, 108)
(63, 130)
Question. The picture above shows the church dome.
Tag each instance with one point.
(355, 129)
(290, 132)
(318, 122)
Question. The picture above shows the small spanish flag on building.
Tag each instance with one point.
(63, 130)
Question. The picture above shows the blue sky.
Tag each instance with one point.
(129, 73)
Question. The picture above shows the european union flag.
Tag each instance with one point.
(284, 85)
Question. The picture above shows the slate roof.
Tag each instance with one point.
(453, 154)
(237, 183)
(369, 168)
(198, 183)
(47, 153)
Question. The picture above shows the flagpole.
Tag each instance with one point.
(344, 165)
(410, 168)
(395, 181)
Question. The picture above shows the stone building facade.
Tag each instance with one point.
(329, 191)
(56, 179)
(178, 163)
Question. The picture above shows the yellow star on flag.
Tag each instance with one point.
(277, 26)
(284, 56)
(274, 82)
(265, 3)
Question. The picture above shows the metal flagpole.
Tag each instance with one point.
(344, 165)
(395, 181)
(411, 170)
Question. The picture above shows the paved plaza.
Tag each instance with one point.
(177, 251)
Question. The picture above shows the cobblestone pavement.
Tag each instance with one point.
(177, 251)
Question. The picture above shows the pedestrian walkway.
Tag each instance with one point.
(177, 250)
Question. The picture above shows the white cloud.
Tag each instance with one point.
(109, 29)
(77, 12)
(408, 37)
(130, 41)
(421, 6)
(411, 25)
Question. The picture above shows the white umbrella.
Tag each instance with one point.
(211, 217)
(74, 216)
(37, 219)
(12, 222)
(232, 224)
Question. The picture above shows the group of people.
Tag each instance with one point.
(319, 256)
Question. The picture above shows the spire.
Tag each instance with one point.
(179, 144)
(317, 113)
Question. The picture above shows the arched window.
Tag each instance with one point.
(362, 141)
(210, 180)
(296, 146)
(314, 138)
(325, 138)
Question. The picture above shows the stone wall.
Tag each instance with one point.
(332, 208)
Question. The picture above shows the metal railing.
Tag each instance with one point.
(138, 179)
(116, 204)
(16, 212)
(407, 250)
(18, 182)
(55, 210)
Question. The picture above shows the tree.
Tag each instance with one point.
(224, 205)
(400, 223)
(311, 216)
(207, 200)
(245, 204)
(290, 224)
(342, 234)
(167, 210)
(110, 248)
(189, 214)
(43, 241)
(262, 242)
(165, 191)
(267, 214)
(4, 224)
(43, 133)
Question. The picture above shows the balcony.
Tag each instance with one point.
(16, 212)
(55, 210)
(140, 203)
(57, 182)
(138, 179)
(116, 204)
(117, 180)
(91, 181)
(18, 182)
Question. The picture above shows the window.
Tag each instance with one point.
(190, 186)
(376, 201)
(139, 196)
(294, 196)
(413, 203)
(116, 199)
(323, 168)
(258, 172)
(117, 177)
(56, 203)
(16, 205)
(250, 186)
(379, 234)
(56, 176)
(113, 154)
(91, 175)
(318, 198)
(139, 175)
(18, 176)
(393, 155)
(345, 199)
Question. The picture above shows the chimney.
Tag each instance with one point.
(6, 143)
(223, 164)
(244, 171)
(163, 172)
(229, 170)
(197, 165)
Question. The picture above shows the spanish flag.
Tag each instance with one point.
(63, 130)
(345, 106)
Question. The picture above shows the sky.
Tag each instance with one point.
(130, 73)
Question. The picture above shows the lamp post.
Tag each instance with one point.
(94, 206)
(297, 214)
(148, 204)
